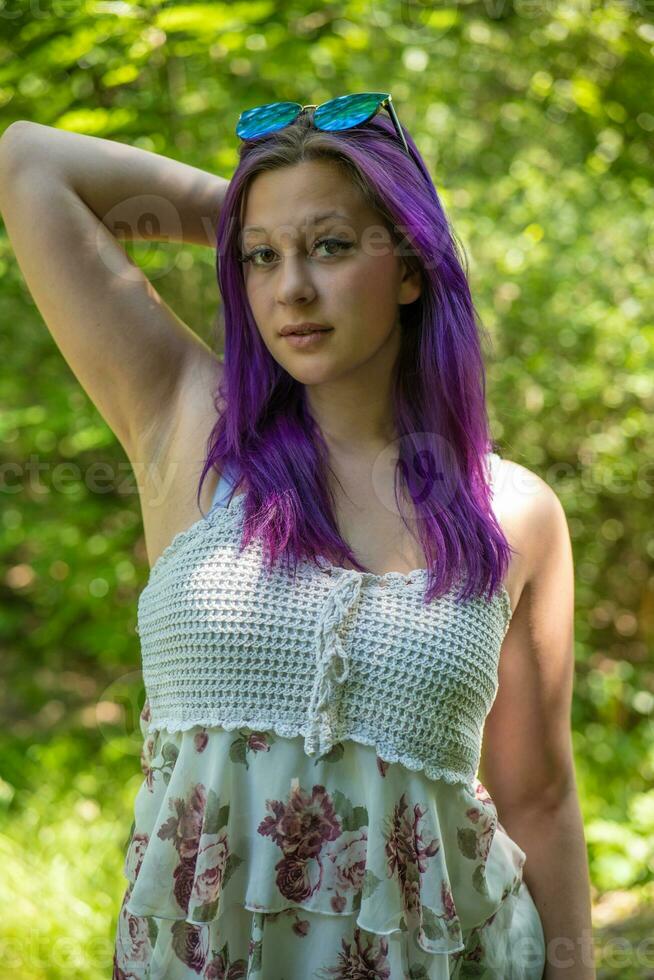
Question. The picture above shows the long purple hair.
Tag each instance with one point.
(265, 435)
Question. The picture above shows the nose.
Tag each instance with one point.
(294, 283)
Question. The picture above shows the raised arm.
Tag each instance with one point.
(66, 200)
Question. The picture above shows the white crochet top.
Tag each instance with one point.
(334, 654)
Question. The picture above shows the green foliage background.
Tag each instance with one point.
(536, 121)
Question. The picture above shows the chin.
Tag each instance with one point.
(311, 374)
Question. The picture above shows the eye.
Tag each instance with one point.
(254, 254)
(341, 245)
(339, 242)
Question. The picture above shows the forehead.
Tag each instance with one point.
(301, 195)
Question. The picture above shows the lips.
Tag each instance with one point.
(301, 329)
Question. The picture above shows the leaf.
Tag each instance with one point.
(213, 819)
(359, 818)
(370, 883)
(169, 752)
(238, 751)
(153, 929)
(432, 925)
(479, 880)
(467, 841)
(232, 864)
(206, 913)
(129, 836)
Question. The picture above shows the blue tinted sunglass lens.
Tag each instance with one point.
(348, 110)
(266, 119)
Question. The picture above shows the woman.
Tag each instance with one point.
(322, 651)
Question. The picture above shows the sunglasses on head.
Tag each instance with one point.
(333, 116)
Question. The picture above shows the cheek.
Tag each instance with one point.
(259, 301)
(251, 290)
(371, 290)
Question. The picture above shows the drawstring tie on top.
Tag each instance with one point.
(332, 661)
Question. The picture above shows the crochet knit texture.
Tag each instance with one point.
(334, 654)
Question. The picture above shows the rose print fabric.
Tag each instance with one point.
(249, 859)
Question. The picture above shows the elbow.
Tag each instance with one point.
(22, 133)
(15, 132)
(551, 797)
(12, 141)
(18, 149)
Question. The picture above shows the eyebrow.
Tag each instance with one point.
(313, 219)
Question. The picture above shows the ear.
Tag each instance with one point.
(411, 284)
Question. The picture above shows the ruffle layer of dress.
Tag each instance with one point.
(246, 819)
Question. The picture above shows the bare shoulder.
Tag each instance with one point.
(526, 748)
(530, 514)
(169, 460)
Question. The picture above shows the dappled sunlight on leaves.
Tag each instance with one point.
(536, 129)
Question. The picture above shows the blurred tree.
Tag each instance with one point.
(534, 122)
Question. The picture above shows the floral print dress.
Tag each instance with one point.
(249, 859)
